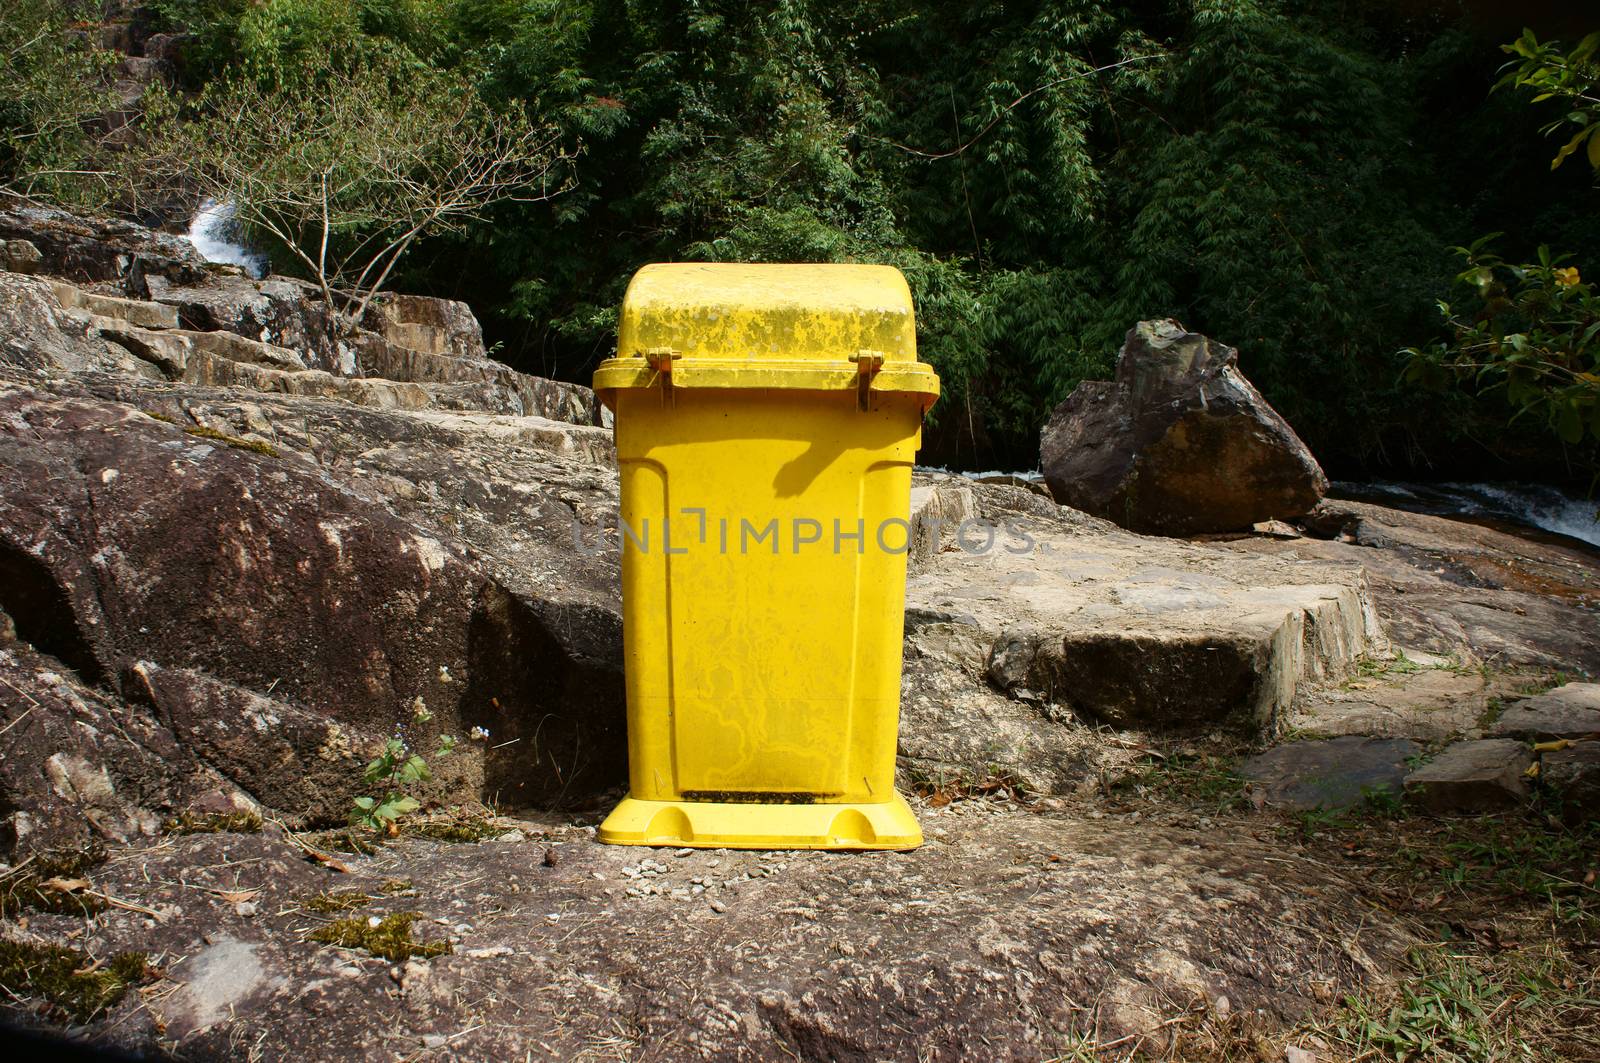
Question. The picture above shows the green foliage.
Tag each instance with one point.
(52, 86)
(1528, 335)
(1458, 1008)
(1283, 175)
(1571, 78)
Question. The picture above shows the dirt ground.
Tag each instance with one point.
(1163, 917)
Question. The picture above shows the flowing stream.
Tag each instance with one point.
(1534, 505)
(215, 234)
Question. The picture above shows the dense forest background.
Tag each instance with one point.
(1288, 176)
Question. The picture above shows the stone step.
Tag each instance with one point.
(534, 396)
(114, 308)
(1133, 631)
(1570, 711)
(222, 359)
(1487, 775)
(426, 324)
(172, 349)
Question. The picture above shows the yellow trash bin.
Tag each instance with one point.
(766, 420)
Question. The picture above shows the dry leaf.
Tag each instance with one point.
(332, 863)
(65, 885)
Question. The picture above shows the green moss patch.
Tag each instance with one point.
(51, 883)
(335, 901)
(213, 823)
(455, 828)
(73, 984)
(390, 937)
(255, 445)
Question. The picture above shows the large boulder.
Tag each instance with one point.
(1179, 443)
(216, 608)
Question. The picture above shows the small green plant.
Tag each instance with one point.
(395, 771)
(1527, 334)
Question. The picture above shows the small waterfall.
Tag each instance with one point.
(215, 234)
(1532, 504)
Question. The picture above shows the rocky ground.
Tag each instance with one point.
(1161, 779)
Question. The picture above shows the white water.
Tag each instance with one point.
(215, 234)
(1534, 504)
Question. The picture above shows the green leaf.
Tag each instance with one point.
(415, 770)
(1569, 425)
(1570, 147)
(365, 803)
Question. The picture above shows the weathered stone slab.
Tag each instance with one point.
(1133, 631)
(131, 311)
(1489, 775)
(1335, 773)
(1574, 776)
(1571, 711)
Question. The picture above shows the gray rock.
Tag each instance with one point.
(1090, 622)
(1450, 587)
(166, 47)
(1570, 711)
(277, 310)
(992, 935)
(1335, 773)
(1488, 775)
(89, 249)
(20, 256)
(213, 984)
(40, 334)
(422, 323)
(1573, 774)
(135, 312)
(1179, 443)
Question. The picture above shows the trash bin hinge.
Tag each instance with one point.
(867, 365)
(660, 359)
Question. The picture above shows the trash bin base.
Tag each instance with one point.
(727, 825)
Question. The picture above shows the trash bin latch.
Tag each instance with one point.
(867, 365)
(660, 359)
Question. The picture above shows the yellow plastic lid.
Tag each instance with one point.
(723, 325)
